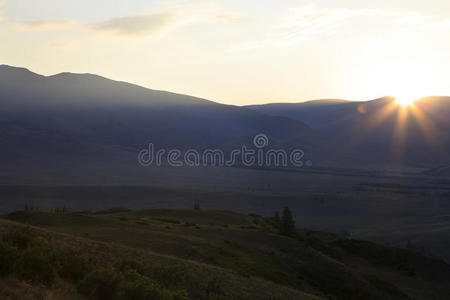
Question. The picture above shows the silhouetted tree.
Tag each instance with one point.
(409, 244)
(276, 218)
(287, 226)
(196, 206)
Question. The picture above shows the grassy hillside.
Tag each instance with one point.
(192, 254)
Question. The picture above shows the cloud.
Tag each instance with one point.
(301, 24)
(166, 18)
(137, 25)
(163, 19)
(420, 21)
(44, 24)
(306, 22)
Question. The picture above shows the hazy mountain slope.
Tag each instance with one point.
(46, 120)
(377, 131)
(313, 113)
(81, 113)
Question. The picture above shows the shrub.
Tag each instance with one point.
(9, 259)
(166, 275)
(287, 226)
(214, 287)
(276, 220)
(100, 283)
(108, 283)
(138, 287)
(21, 238)
(39, 265)
(132, 264)
(74, 266)
(24, 255)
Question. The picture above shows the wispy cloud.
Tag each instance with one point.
(137, 25)
(415, 20)
(164, 19)
(306, 22)
(301, 24)
(44, 24)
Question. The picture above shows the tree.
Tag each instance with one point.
(276, 219)
(196, 206)
(287, 226)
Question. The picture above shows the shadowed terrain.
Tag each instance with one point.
(225, 255)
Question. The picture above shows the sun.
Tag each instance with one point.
(406, 98)
(404, 101)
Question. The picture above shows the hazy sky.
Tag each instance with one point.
(239, 51)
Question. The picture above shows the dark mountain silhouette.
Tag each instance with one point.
(88, 120)
(84, 114)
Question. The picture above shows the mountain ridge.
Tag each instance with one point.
(71, 115)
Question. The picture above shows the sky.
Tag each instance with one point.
(239, 52)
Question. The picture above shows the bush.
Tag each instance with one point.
(108, 283)
(21, 239)
(132, 264)
(168, 276)
(74, 266)
(287, 226)
(100, 284)
(214, 287)
(9, 259)
(39, 265)
(138, 287)
(24, 255)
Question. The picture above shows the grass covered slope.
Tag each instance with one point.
(181, 254)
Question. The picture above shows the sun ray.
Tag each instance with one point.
(400, 132)
(425, 124)
(381, 115)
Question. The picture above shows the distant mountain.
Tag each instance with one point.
(377, 131)
(86, 121)
(84, 114)
(312, 112)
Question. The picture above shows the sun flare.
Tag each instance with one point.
(404, 101)
(406, 98)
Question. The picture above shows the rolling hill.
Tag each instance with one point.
(192, 254)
